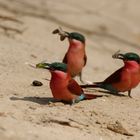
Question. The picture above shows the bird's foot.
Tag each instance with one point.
(130, 96)
(129, 93)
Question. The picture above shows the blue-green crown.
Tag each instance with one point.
(77, 36)
(53, 66)
(132, 56)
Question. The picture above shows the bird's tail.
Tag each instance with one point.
(101, 85)
(92, 96)
(94, 85)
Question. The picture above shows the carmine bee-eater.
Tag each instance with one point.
(75, 57)
(125, 78)
(63, 87)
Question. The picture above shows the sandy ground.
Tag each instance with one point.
(26, 111)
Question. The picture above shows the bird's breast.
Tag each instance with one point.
(75, 61)
(135, 78)
(59, 89)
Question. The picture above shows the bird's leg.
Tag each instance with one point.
(82, 81)
(129, 93)
(80, 77)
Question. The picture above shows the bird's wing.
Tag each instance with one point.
(85, 59)
(114, 77)
(74, 87)
(65, 59)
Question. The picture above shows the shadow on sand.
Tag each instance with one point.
(39, 100)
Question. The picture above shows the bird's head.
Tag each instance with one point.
(127, 56)
(71, 36)
(53, 66)
(76, 36)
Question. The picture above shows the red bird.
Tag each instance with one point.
(63, 87)
(124, 79)
(75, 57)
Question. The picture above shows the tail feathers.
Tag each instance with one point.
(102, 85)
(92, 96)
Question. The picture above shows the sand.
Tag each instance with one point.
(26, 112)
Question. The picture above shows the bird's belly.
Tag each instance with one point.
(61, 92)
(74, 70)
(75, 65)
(135, 80)
(127, 84)
(121, 87)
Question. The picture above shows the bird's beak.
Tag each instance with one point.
(43, 65)
(63, 34)
(118, 55)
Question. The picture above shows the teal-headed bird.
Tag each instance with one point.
(62, 85)
(124, 79)
(75, 57)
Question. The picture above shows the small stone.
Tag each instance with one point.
(97, 122)
(37, 83)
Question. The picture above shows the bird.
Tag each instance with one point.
(63, 87)
(75, 56)
(124, 79)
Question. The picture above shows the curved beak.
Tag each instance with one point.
(118, 55)
(63, 34)
(43, 65)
